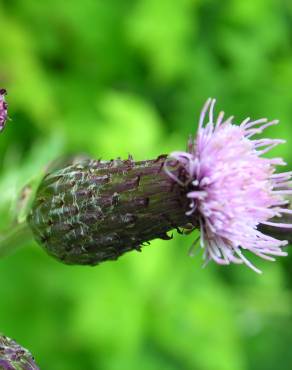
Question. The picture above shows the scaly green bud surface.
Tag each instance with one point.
(95, 210)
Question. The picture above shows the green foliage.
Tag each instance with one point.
(108, 78)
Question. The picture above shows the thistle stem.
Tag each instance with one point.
(14, 237)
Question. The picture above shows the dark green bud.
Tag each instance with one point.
(95, 210)
(15, 357)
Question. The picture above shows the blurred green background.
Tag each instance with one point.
(114, 77)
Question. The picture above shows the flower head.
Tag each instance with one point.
(232, 188)
(3, 109)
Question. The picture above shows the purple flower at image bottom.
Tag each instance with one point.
(15, 357)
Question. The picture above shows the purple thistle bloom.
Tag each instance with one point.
(15, 357)
(3, 109)
(91, 211)
(232, 189)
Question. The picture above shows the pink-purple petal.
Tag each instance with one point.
(233, 189)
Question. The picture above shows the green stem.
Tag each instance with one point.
(14, 238)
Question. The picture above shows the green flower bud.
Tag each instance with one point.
(96, 210)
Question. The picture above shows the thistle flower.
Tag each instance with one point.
(232, 189)
(3, 109)
(94, 210)
(15, 357)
